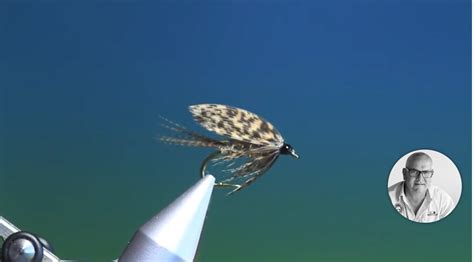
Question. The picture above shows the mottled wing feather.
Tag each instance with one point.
(236, 123)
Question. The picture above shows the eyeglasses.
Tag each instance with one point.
(415, 173)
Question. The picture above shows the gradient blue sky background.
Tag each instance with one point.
(352, 85)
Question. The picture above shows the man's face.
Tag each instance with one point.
(415, 180)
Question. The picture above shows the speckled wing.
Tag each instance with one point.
(236, 123)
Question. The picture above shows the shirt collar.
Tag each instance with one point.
(401, 192)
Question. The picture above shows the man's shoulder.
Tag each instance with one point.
(394, 191)
(395, 186)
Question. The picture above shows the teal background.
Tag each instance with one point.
(352, 85)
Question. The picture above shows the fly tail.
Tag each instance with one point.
(186, 137)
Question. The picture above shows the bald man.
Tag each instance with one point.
(415, 198)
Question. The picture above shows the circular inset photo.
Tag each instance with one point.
(424, 186)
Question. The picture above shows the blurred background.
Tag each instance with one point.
(352, 85)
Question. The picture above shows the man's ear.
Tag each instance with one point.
(404, 172)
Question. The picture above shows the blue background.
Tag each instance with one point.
(352, 85)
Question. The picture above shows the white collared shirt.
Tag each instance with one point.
(436, 205)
